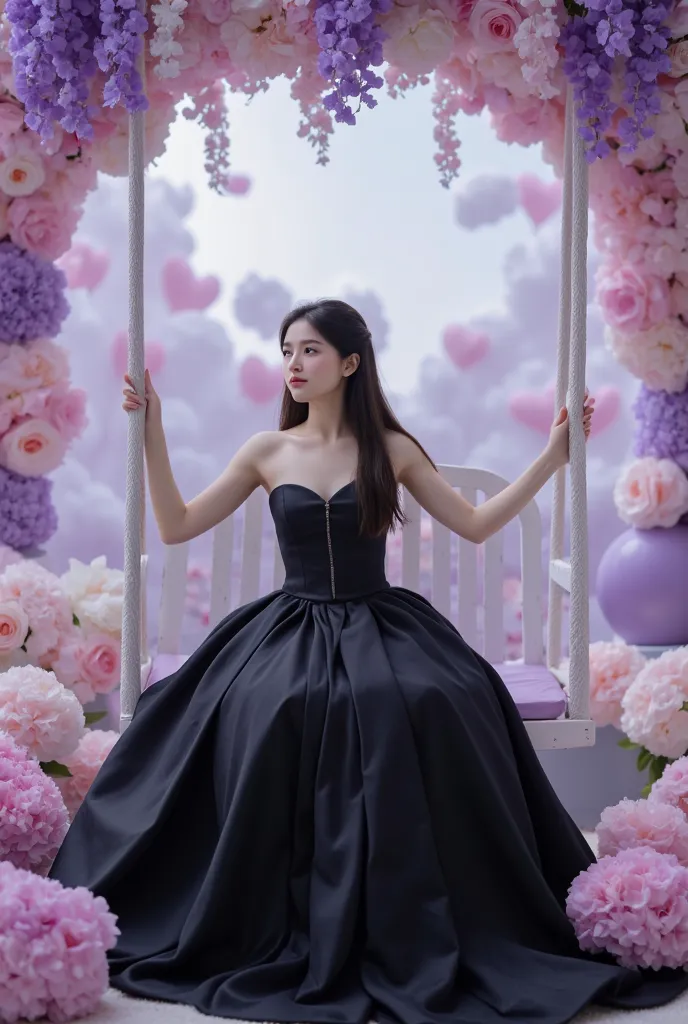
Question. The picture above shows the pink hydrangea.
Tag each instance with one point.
(651, 493)
(613, 667)
(33, 815)
(653, 706)
(84, 764)
(40, 713)
(657, 356)
(43, 598)
(632, 823)
(635, 907)
(53, 948)
(672, 787)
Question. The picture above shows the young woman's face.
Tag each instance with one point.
(312, 367)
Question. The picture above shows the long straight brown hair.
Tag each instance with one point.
(367, 411)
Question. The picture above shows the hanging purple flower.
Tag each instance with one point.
(593, 39)
(350, 42)
(661, 425)
(121, 41)
(51, 42)
(27, 516)
(32, 299)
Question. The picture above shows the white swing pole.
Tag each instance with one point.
(556, 543)
(579, 622)
(133, 619)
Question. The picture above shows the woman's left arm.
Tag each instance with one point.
(477, 523)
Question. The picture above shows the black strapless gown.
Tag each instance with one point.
(332, 812)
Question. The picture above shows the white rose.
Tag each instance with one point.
(14, 625)
(21, 175)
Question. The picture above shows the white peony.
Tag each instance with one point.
(96, 593)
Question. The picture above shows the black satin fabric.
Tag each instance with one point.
(333, 813)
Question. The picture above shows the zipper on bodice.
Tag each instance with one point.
(329, 548)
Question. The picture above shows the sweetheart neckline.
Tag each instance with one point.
(302, 487)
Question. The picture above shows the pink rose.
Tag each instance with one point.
(494, 24)
(632, 300)
(21, 174)
(651, 493)
(11, 117)
(32, 447)
(99, 659)
(66, 410)
(42, 226)
(14, 625)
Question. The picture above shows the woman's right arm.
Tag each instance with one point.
(178, 521)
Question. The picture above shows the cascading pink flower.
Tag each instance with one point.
(672, 787)
(42, 597)
(53, 959)
(633, 823)
(653, 706)
(84, 764)
(613, 667)
(33, 815)
(39, 713)
(635, 907)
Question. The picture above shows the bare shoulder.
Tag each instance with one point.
(261, 445)
(404, 453)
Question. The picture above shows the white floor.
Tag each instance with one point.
(119, 1009)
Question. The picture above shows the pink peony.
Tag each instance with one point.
(84, 764)
(633, 823)
(672, 787)
(89, 664)
(418, 41)
(613, 667)
(32, 447)
(42, 226)
(53, 945)
(38, 364)
(651, 493)
(632, 300)
(66, 410)
(494, 24)
(14, 626)
(658, 356)
(40, 713)
(42, 596)
(635, 907)
(33, 816)
(96, 593)
(653, 706)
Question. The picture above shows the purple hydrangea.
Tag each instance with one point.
(594, 38)
(27, 516)
(32, 296)
(350, 42)
(661, 428)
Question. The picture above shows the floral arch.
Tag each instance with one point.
(70, 76)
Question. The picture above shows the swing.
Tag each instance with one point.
(553, 698)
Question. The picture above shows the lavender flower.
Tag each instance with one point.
(27, 516)
(122, 30)
(52, 45)
(32, 300)
(350, 43)
(661, 425)
(593, 39)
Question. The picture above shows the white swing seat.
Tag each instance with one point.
(538, 690)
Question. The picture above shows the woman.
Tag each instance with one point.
(333, 811)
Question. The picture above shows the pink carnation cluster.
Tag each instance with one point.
(654, 706)
(613, 667)
(53, 952)
(672, 787)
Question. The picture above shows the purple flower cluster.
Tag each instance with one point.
(52, 45)
(27, 516)
(123, 28)
(58, 46)
(594, 37)
(350, 42)
(32, 299)
(661, 425)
